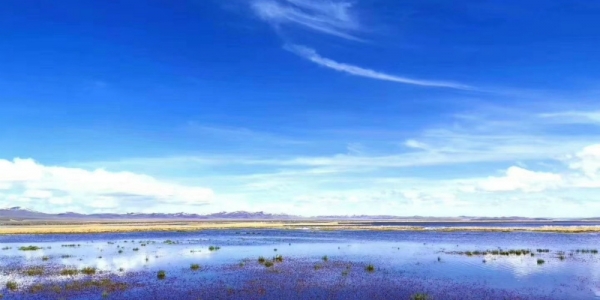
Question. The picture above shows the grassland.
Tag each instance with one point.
(187, 226)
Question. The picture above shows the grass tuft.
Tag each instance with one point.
(69, 272)
(419, 296)
(370, 268)
(161, 275)
(29, 248)
(12, 286)
(88, 270)
(195, 267)
(37, 271)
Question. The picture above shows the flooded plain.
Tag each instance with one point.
(301, 264)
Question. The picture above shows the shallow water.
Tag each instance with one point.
(510, 224)
(405, 263)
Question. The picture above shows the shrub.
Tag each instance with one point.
(268, 263)
(261, 260)
(195, 267)
(540, 261)
(278, 258)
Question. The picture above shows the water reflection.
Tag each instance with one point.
(414, 254)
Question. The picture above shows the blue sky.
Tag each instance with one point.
(301, 106)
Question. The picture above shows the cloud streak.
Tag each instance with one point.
(313, 56)
(327, 17)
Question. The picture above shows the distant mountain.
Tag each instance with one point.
(19, 213)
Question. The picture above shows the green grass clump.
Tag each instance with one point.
(6, 248)
(12, 286)
(370, 268)
(37, 271)
(325, 258)
(29, 248)
(69, 272)
(261, 260)
(195, 267)
(419, 296)
(278, 258)
(268, 263)
(540, 261)
(161, 274)
(213, 248)
(88, 270)
(36, 288)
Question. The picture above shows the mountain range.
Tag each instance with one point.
(19, 213)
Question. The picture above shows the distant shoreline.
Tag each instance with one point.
(53, 227)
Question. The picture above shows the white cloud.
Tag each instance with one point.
(313, 56)
(28, 181)
(517, 178)
(587, 161)
(325, 16)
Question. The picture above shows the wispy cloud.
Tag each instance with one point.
(325, 16)
(573, 117)
(313, 56)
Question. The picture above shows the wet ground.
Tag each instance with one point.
(305, 265)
